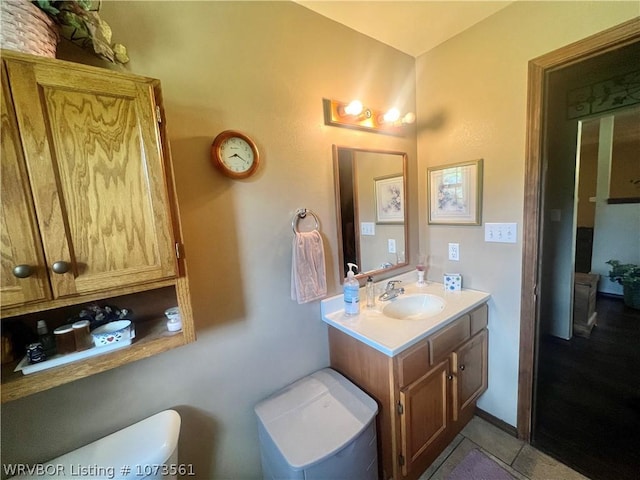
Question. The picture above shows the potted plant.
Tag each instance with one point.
(627, 275)
(80, 23)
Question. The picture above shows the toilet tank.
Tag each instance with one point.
(138, 451)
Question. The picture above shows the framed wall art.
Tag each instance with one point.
(389, 199)
(454, 193)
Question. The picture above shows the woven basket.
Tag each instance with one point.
(26, 28)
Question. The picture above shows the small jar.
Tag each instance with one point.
(174, 323)
(82, 335)
(65, 339)
(35, 353)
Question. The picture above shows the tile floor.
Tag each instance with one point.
(518, 458)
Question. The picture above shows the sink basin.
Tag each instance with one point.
(414, 307)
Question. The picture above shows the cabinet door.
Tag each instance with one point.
(469, 364)
(20, 240)
(94, 158)
(425, 414)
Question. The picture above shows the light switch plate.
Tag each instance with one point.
(501, 232)
(367, 228)
(392, 245)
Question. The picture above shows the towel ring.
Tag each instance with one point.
(302, 213)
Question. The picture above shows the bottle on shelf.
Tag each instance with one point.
(46, 339)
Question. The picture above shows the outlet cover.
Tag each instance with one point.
(454, 252)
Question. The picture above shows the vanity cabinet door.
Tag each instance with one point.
(424, 416)
(22, 277)
(469, 367)
(94, 158)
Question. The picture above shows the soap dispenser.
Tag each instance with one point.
(351, 289)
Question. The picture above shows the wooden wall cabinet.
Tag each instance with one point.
(88, 202)
(426, 394)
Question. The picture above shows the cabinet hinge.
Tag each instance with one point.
(401, 460)
(158, 115)
(179, 250)
(399, 408)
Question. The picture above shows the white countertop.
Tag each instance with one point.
(391, 336)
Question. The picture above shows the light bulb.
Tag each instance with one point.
(354, 108)
(392, 115)
(409, 118)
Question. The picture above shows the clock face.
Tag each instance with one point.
(235, 154)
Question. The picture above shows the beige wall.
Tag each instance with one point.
(261, 68)
(471, 97)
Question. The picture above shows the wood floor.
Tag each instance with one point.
(588, 396)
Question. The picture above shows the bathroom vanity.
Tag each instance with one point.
(89, 211)
(425, 371)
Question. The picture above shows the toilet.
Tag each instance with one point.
(138, 451)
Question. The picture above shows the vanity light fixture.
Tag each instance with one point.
(356, 115)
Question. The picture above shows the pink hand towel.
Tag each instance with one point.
(308, 275)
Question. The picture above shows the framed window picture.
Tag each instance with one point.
(389, 199)
(454, 193)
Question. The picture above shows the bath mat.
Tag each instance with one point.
(477, 466)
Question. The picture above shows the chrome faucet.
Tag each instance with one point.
(391, 291)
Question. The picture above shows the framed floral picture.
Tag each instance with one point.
(455, 194)
(389, 199)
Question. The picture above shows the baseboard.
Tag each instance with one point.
(610, 295)
(496, 422)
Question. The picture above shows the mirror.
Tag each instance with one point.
(371, 212)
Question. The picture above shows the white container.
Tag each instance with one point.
(452, 282)
(144, 446)
(174, 322)
(112, 332)
(320, 427)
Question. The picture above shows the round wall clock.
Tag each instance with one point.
(235, 154)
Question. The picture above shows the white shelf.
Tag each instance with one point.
(58, 360)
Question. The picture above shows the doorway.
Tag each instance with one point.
(603, 90)
(548, 278)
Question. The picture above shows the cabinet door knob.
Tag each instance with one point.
(60, 267)
(449, 377)
(22, 271)
(461, 367)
